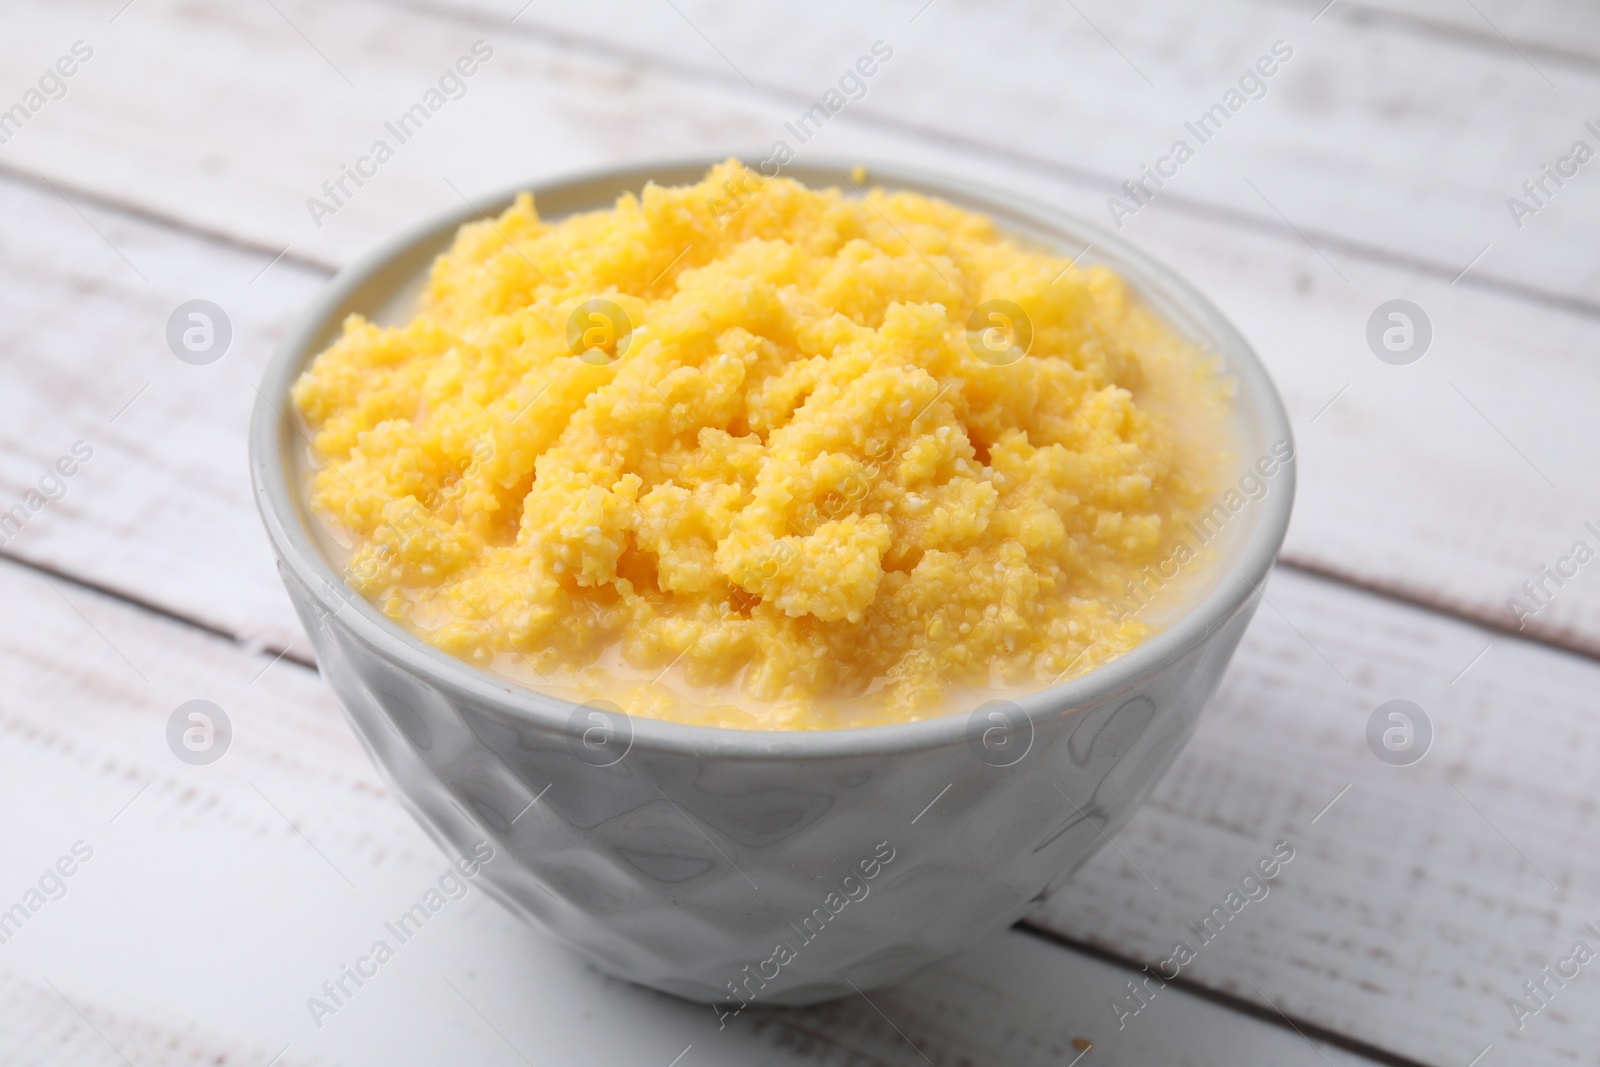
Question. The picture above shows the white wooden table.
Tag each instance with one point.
(177, 164)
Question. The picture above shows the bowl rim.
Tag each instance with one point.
(272, 431)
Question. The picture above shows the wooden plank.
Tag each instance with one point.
(1420, 897)
(1427, 481)
(1347, 144)
(1303, 330)
(1405, 919)
(161, 510)
(241, 913)
(1085, 95)
(1561, 31)
(173, 148)
(1450, 482)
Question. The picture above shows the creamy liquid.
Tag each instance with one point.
(1201, 425)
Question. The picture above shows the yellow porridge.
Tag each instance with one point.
(748, 454)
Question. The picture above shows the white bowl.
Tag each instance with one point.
(777, 867)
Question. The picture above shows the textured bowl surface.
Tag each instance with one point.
(781, 868)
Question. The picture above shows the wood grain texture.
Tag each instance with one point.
(1376, 143)
(162, 509)
(1426, 895)
(217, 899)
(1373, 139)
(1566, 31)
(1450, 482)
(1416, 904)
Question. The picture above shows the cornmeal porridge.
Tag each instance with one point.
(749, 454)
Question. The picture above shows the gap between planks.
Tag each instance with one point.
(1572, 644)
(132, 209)
(1437, 29)
(274, 652)
(1311, 1031)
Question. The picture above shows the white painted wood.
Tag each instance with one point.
(1406, 925)
(1394, 140)
(1450, 482)
(1427, 480)
(1415, 905)
(1405, 920)
(204, 919)
(162, 509)
(1560, 31)
(1419, 901)
(1400, 142)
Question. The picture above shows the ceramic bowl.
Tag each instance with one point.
(735, 866)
